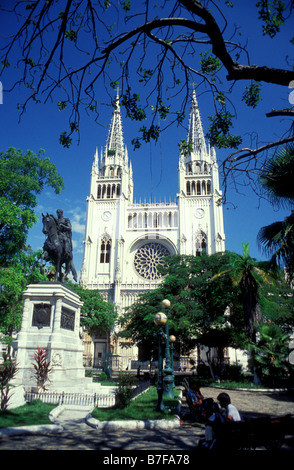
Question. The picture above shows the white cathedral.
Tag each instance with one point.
(125, 241)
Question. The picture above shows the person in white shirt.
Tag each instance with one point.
(231, 412)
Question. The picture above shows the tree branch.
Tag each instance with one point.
(281, 112)
(251, 152)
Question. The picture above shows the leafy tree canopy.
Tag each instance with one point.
(66, 50)
(23, 270)
(197, 304)
(277, 239)
(22, 177)
(97, 315)
(199, 298)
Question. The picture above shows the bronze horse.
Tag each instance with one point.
(54, 249)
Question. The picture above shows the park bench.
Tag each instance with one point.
(268, 432)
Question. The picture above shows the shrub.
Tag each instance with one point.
(42, 368)
(8, 370)
(232, 372)
(125, 390)
(103, 376)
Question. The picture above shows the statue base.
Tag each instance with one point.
(51, 320)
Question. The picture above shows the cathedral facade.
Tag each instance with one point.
(125, 241)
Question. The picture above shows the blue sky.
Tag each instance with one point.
(154, 166)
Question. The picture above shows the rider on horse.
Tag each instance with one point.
(64, 232)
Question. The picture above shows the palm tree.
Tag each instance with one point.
(277, 239)
(247, 273)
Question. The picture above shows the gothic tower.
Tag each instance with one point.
(125, 241)
(200, 199)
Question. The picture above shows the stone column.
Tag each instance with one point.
(26, 317)
(55, 336)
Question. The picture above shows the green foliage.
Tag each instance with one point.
(8, 370)
(276, 239)
(209, 63)
(272, 352)
(12, 283)
(125, 389)
(130, 102)
(103, 376)
(24, 269)
(109, 36)
(72, 35)
(277, 177)
(126, 4)
(61, 105)
(65, 140)
(152, 133)
(251, 95)
(97, 314)
(271, 13)
(197, 305)
(146, 75)
(265, 295)
(22, 177)
(185, 147)
(219, 131)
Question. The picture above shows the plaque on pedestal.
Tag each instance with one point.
(51, 320)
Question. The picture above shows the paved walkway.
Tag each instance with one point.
(77, 435)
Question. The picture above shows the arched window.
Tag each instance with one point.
(188, 188)
(201, 244)
(198, 188)
(105, 250)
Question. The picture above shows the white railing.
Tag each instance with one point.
(81, 399)
(71, 398)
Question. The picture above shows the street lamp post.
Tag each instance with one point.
(165, 383)
(172, 339)
(160, 319)
(168, 373)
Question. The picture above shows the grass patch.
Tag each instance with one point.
(29, 414)
(231, 385)
(143, 407)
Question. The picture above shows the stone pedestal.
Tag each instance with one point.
(51, 320)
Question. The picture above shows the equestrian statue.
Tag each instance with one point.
(58, 245)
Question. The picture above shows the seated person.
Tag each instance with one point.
(195, 395)
(213, 425)
(231, 412)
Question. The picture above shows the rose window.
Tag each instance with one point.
(148, 257)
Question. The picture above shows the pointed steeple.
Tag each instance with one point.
(114, 143)
(115, 169)
(95, 165)
(195, 130)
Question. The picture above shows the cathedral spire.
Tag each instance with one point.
(195, 131)
(114, 143)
